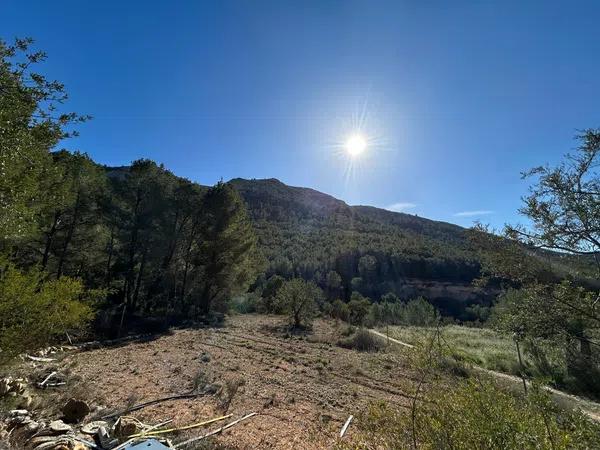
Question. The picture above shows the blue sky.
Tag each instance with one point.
(455, 98)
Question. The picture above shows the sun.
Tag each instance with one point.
(355, 145)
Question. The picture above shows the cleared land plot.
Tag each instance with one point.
(303, 387)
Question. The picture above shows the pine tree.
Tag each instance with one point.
(227, 251)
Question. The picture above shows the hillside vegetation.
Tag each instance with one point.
(88, 251)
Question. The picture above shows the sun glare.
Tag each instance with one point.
(355, 145)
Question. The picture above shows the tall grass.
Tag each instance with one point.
(480, 346)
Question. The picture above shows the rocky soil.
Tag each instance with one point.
(303, 387)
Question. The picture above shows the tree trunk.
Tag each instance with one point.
(49, 238)
(110, 255)
(138, 283)
(130, 276)
(69, 237)
(188, 252)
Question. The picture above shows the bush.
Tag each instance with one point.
(420, 312)
(363, 341)
(269, 295)
(386, 313)
(245, 303)
(340, 310)
(34, 310)
(359, 308)
(476, 414)
(298, 299)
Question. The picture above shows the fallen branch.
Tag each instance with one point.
(346, 425)
(91, 345)
(187, 427)
(83, 441)
(134, 437)
(151, 402)
(212, 433)
(39, 358)
(46, 379)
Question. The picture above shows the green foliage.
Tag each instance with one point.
(228, 247)
(31, 123)
(34, 310)
(269, 294)
(477, 414)
(358, 307)
(545, 317)
(417, 312)
(161, 245)
(333, 283)
(543, 307)
(420, 312)
(312, 235)
(478, 313)
(340, 310)
(484, 347)
(246, 303)
(298, 299)
(390, 297)
(386, 313)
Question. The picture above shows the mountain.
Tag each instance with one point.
(306, 233)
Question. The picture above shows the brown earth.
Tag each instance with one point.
(303, 387)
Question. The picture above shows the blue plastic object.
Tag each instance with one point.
(149, 444)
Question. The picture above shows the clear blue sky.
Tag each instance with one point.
(460, 96)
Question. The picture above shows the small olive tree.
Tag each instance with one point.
(298, 299)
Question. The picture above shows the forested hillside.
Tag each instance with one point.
(313, 235)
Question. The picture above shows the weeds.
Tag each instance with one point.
(199, 381)
(229, 391)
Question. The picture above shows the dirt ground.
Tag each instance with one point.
(303, 387)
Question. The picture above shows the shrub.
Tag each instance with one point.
(359, 308)
(34, 310)
(477, 414)
(297, 299)
(363, 341)
(386, 313)
(390, 297)
(269, 295)
(420, 312)
(340, 310)
(245, 303)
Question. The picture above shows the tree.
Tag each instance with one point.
(71, 222)
(144, 196)
(30, 126)
(367, 268)
(298, 299)
(269, 293)
(390, 297)
(359, 308)
(556, 302)
(420, 312)
(564, 203)
(340, 310)
(333, 283)
(228, 252)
